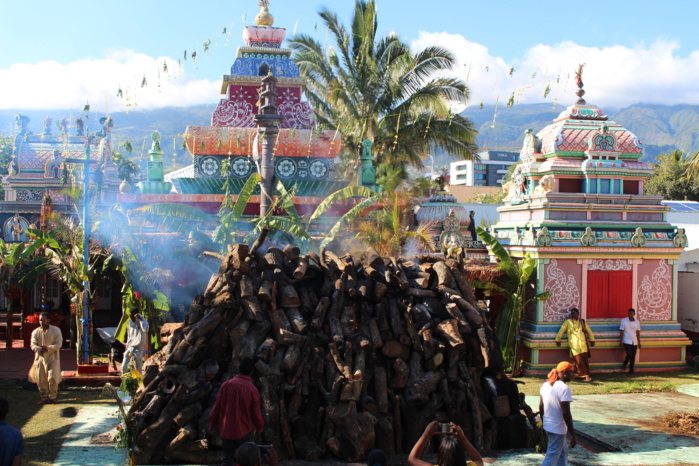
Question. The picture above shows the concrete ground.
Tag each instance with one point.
(631, 423)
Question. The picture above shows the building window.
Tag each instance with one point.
(463, 166)
(479, 176)
(479, 166)
(460, 177)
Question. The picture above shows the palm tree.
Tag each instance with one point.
(515, 286)
(374, 87)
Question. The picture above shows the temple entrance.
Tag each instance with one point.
(609, 294)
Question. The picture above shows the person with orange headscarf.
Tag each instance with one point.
(554, 407)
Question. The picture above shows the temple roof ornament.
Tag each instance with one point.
(264, 18)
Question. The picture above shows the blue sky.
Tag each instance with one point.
(59, 54)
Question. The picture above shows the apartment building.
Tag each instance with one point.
(488, 171)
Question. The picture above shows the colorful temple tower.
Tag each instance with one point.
(224, 153)
(576, 204)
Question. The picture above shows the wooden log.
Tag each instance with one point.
(301, 269)
(289, 297)
(398, 424)
(419, 282)
(394, 317)
(163, 427)
(265, 292)
(204, 327)
(380, 290)
(291, 357)
(444, 275)
(296, 321)
(371, 258)
(287, 337)
(473, 316)
(348, 319)
(433, 363)
(394, 349)
(365, 289)
(287, 442)
(319, 314)
(253, 308)
(291, 252)
(467, 385)
(354, 432)
(385, 436)
(339, 362)
(334, 313)
(193, 452)
(461, 282)
(265, 351)
(381, 389)
(449, 329)
(420, 293)
(274, 258)
(420, 385)
(401, 373)
(246, 287)
(187, 414)
(269, 400)
(427, 340)
(374, 334)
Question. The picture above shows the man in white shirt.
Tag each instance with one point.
(630, 336)
(136, 339)
(554, 407)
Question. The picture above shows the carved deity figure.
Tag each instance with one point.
(452, 242)
(546, 185)
(16, 228)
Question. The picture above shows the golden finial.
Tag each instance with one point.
(263, 18)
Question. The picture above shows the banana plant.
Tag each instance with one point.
(514, 285)
(20, 265)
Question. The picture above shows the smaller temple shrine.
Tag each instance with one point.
(576, 205)
(38, 168)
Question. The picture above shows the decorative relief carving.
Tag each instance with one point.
(32, 195)
(234, 112)
(588, 238)
(610, 264)
(655, 294)
(680, 239)
(543, 237)
(564, 293)
(638, 240)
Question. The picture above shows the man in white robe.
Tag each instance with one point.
(136, 340)
(46, 370)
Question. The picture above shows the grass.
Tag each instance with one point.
(617, 382)
(43, 427)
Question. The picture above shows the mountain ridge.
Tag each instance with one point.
(661, 128)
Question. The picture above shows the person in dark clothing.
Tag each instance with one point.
(11, 441)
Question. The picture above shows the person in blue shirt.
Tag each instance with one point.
(11, 442)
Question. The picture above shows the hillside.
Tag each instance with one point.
(661, 128)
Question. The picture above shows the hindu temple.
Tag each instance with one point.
(576, 205)
(264, 82)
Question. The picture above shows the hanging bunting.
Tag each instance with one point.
(512, 70)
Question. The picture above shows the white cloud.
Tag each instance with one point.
(51, 85)
(614, 76)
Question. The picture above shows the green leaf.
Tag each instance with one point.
(347, 218)
(342, 194)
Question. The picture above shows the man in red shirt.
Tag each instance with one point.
(236, 413)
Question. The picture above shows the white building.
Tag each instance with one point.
(488, 171)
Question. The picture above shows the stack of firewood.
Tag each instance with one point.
(351, 353)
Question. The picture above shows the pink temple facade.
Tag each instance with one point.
(576, 205)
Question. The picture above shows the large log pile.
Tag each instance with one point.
(352, 353)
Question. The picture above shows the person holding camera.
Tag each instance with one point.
(136, 339)
(452, 450)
